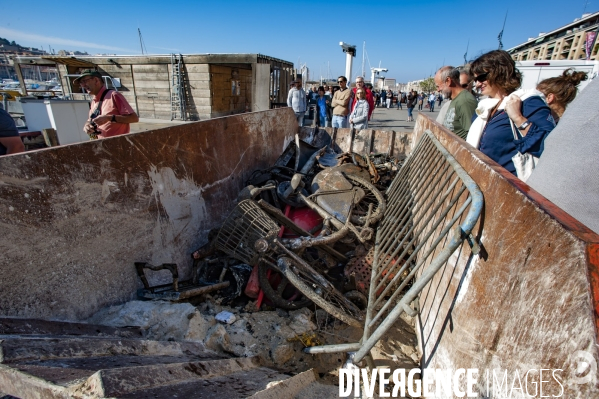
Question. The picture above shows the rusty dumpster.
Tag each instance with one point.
(76, 217)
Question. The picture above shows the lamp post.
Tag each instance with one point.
(350, 53)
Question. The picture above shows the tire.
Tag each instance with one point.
(373, 196)
(321, 292)
(277, 296)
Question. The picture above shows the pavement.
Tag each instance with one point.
(394, 119)
(382, 119)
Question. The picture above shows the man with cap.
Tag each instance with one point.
(110, 114)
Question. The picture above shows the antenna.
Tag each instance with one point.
(466, 53)
(141, 43)
(501, 33)
(584, 9)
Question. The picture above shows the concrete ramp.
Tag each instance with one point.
(85, 363)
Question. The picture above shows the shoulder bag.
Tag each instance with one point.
(524, 163)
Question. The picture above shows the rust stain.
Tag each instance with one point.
(533, 299)
(593, 264)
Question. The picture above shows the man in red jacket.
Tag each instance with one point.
(369, 96)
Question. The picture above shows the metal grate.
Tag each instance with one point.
(431, 197)
(245, 225)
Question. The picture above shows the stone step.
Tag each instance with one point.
(102, 362)
(69, 372)
(19, 326)
(166, 377)
(240, 385)
(19, 349)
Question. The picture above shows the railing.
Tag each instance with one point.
(430, 195)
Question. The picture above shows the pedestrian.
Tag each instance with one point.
(399, 100)
(323, 107)
(383, 97)
(109, 114)
(340, 103)
(389, 98)
(359, 116)
(410, 104)
(420, 101)
(460, 110)
(10, 140)
(296, 99)
(431, 102)
(440, 98)
(568, 173)
(369, 96)
(510, 121)
(561, 90)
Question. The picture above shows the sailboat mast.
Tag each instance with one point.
(363, 55)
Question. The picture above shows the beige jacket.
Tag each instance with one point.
(341, 102)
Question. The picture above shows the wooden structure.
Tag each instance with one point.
(214, 85)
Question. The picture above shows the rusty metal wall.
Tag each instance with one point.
(529, 301)
(75, 218)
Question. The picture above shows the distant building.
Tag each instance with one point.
(565, 43)
(414, 85)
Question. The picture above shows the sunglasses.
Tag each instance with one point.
(481, 78)
(341, 81)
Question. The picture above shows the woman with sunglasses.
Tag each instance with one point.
(507, 121)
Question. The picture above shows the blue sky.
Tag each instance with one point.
(410, 38)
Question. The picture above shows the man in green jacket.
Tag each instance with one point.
(459, 114)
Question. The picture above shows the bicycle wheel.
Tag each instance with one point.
(285, 295)
(373, 196)
(320, 291)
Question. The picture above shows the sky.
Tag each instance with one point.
(412, 39)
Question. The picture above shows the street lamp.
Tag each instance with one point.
(350, 52)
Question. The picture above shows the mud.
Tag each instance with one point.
(277, 336)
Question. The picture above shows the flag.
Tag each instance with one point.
(591, 36)
(499, 38)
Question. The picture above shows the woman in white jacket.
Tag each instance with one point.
(359, 116)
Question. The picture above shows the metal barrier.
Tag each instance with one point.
(430, 194)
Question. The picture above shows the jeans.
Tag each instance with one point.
(410, 112)
(420, 107)
(432, 105)
(399, 105)
(340, 121)
(300, 118)
(324, 122)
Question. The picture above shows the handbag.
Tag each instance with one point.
(524, 163)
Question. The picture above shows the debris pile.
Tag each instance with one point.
(278, 337)
(299, 235)
(290, 266)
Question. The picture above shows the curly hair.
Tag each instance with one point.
(501, 70)
(563, 87)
